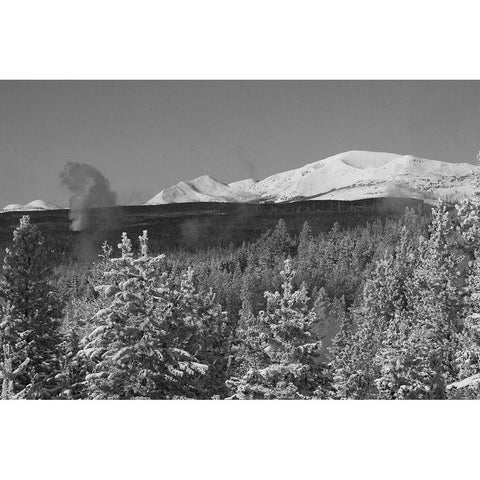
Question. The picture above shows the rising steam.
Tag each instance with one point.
(243, 155)
(89, 189)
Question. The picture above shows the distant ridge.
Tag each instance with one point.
(351, 175)
(29, 207)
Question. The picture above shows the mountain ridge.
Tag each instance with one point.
(30, 207)
(350, 175)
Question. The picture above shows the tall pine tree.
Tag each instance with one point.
(30, 329)
(285, 352)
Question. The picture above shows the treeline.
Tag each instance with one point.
(386, 310)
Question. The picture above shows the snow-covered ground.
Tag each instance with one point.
(32, 206)
(350, 175)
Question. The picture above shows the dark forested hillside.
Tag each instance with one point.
(196, 226)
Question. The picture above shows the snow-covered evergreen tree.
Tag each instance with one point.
(410, 360)
(274, 245)
(211, 340)
(10, 368)
(417, 354)
(133, 353)
(384, 297)
(286, 348)
(438, 293)
(348, 381)
(250, 336)
(467, 356)
(304, 249)
(30, 328)
(154, 340)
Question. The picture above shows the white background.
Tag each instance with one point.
(238, 40)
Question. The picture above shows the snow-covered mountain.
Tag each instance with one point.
(201, 189)
(32, 206)
(350, 175)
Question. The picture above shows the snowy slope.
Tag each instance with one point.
(347, 176)
(201, 189)
(32, 206)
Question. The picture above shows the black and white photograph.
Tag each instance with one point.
(239, 240)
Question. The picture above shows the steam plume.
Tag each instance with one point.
(243, 155)
(89, 189)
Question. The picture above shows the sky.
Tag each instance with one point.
(147, 135)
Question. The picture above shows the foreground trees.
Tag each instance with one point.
(152, 341)
(417, 329)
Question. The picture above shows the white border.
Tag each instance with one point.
(218, 440)
(265, 39)
(238, 40)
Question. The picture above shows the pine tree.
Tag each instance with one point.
(305, 245)
(329, 314)
(410, 361)
(418, 350)
(467, 357)
(274, 246)
(306, 260)
(250, 336)
(347, 380)
(8, 375)
(284, 335)
(384, 300)
(30, 330)
(211, 341)
(10, 371)
(437, 291)
(147, 339)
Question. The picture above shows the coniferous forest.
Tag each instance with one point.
(386, 310)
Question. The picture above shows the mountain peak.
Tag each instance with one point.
(364, 159)
(349, 175)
